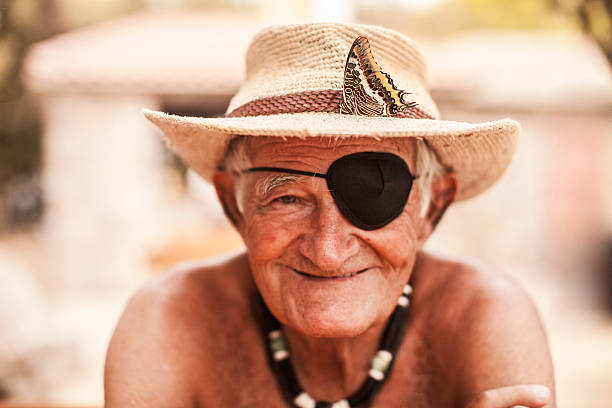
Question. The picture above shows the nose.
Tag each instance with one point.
(330, 241)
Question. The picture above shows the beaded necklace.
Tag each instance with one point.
(380, 367)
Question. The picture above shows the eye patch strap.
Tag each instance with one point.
(290, 171)
(369, 188)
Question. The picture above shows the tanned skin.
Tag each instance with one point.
(192, 337)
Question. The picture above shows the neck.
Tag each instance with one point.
(332, 369)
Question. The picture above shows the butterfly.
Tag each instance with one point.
(368, 91)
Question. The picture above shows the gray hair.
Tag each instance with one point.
(428, 165)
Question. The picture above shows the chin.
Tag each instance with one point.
(334, 322)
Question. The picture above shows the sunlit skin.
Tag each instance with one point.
(297, 230)
(192, 338)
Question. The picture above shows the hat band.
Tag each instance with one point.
(328, 100)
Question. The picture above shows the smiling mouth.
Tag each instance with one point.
(348, 275)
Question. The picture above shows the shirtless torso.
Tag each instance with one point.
(191, 338)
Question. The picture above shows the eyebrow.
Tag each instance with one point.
(265, 185)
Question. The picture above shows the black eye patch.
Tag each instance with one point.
(369, 188)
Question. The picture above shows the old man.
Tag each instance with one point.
(334, 167)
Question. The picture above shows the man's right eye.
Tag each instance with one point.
(286, 199)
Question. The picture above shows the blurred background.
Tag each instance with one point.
(92, 204)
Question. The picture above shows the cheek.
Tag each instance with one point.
(398, 242)
(267, 242)
(266, 239)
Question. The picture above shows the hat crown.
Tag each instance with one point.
(284, 60)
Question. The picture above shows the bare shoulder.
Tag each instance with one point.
(465, 284)
(483, 324)
(167, 325)
(195, 292)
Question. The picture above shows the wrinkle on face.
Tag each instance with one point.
(320, 241)
(264, 185)
(306, 152)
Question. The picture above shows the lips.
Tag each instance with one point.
(345, 276)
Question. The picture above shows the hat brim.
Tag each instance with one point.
(477, 153)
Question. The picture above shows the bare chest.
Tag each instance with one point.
(240, 376)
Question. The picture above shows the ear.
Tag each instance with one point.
(225, 184)
(443, 194)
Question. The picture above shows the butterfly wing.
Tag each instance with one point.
(355, 99)
(369, 91)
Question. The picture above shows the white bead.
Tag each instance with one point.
(304, 401)
(341, 404)
(385, 355)
(403, 301)
(275, 334)
(376, 374)
(280, 355)
(407, 290)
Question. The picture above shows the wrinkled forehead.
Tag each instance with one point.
(317, 153)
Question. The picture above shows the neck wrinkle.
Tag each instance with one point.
(332, 369)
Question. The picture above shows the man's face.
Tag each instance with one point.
(317, 272)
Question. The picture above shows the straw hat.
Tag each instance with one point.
(339, 80)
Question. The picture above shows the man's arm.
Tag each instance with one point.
(501, 343)
(142, 369)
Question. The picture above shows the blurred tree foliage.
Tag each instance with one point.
(22, 22)
(511, 14)
(594, 17)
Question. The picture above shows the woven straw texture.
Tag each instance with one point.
(287, 60)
